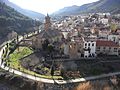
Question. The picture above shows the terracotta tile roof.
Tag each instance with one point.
(106, 43)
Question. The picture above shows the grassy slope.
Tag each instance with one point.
(14, 61)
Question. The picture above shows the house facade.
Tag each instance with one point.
(114, 38)
(106, 47)
(89, 48)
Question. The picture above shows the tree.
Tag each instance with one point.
(7, 45)
(113, 27)
(52, 71)
(50, 49)
(45, 44)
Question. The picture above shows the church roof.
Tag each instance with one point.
(49, 34)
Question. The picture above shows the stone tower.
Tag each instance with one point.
(47, 24)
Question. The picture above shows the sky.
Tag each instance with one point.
(48, 6)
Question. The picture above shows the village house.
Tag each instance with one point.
(89, 48)
(79, 44)
(106, 47)
(113, 37)
(103, 33)
(74, 48)
(104, 20)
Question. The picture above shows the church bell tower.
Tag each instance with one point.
(47, 24)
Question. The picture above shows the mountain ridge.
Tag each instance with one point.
(11, 20)
(103, 6)
(29, 13)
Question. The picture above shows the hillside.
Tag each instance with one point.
(29, 13)
(67, 10)
(11, 20)
(112, 6)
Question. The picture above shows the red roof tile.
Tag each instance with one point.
(106, 43)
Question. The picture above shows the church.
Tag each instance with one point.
(52, 35)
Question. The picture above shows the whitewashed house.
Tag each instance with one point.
(89, 48)
(104, 20)
(114, 38)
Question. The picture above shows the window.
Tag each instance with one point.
(113, 38)
(115, 49)
(89, 44)
(104, 48)
(98, 48)
(93, 44)
(109, 48)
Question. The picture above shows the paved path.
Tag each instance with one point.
(49, 80)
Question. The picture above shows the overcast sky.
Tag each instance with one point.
(48, 6)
